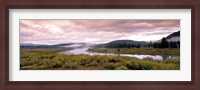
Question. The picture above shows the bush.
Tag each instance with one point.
(94, 63)
(31, 60)
(70, 65)
(27, 67)
(173, 61)
(133, 66)
(112, 66)
(121, 68)
(41, 67)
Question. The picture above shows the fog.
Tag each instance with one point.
(82, 49)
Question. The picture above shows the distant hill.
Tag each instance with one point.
(34, 46)
(170, 41)
(63, 45)
(174, 36)
(121, 44)
(29, 44)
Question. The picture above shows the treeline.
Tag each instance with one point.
(123, 45)
(163, 44)
(41, 47)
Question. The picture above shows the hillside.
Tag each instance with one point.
(122, 44)
(174, 37)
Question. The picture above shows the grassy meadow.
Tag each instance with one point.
(51, 60)
(150, 51)
(98, 44)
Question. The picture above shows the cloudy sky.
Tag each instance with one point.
(94, 31)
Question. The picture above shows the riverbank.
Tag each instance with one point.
(51, 60)
(150, 51)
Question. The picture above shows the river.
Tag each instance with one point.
(83, 50)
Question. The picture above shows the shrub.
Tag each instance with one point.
(112, 66)
(27, 67)
(41, 67)
(31, 60)
(132, 65)
(70, 65)
(94, 63)
(173, 61)
(121, 68)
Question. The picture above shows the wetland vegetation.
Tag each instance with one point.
(51, 60)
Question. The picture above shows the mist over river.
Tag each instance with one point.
(82, 49)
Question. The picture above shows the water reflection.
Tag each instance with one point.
(84, 51)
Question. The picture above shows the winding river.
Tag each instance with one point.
(83, 50)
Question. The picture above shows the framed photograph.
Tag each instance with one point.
(100, 45)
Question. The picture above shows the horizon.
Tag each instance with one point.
(52, 32)
(83, 42)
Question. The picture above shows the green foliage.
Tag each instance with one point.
(121, 68)
(51, 60)
(152, 51)
(174, 61)
(112, 66)
(70, 65)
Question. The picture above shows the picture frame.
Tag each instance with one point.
(138, 85)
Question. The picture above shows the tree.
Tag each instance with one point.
(178, 44)
(129, 45)
(164, 43)
(138, 46)
(150, 44)
(132, 45)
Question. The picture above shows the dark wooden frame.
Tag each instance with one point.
(152, 85)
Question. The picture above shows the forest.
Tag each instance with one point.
(133, 44)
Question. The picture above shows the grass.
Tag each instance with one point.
(150, 51)
(51, 60)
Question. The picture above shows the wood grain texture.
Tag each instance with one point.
(104, 85)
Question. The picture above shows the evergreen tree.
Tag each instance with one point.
(164, 43)
(150, 44)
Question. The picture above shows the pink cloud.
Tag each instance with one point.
(92, 31)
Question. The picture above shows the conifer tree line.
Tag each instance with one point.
(123, 45)
(166, 44)
(162, 44)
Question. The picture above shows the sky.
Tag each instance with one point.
(94, 31)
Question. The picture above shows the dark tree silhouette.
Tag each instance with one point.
(164, 43)
(150, 44)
